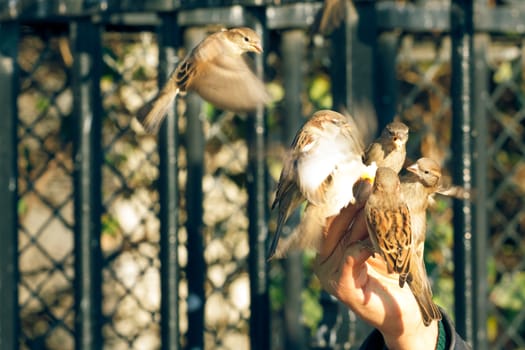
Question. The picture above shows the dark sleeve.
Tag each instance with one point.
(454, 342)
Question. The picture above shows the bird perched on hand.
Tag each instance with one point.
(217, 70)
(418, 188)
(389, 225)
(321, 168)
(389, 149)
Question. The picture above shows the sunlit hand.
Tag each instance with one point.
(347, 270)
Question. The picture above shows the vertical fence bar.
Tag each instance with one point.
(196, 268)
(9, 320)
(293, 54)
(352, 56)
(86, 42)
(461, 91)
(480, 168)
(169, 40)
(257, 177)
(386, 84)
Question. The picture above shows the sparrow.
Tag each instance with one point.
(389, 149)
(216, 70)
(389, 224)
(418, 188)
(321, 169)
(331, 15)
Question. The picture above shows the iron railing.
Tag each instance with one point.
(112, 238)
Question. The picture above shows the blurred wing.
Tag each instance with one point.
(455, 192)
(228, 83)
(326, 148)
(287, 199)
(185, 73)
(152, 113)
(332, 15)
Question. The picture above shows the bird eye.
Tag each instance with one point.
(246, 39)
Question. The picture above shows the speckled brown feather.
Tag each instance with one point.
(393, 238)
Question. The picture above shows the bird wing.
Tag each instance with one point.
(152, 113)
(227, 82)
(332, 15)
(287, 199)
(323, 150)
(185, 73)
(373, 153)
(393, 237)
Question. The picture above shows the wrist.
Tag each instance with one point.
(421, 337)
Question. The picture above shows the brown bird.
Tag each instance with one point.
(389, 149)
(321, 168)
(217, 70)
(332, 14)
(418, 188)
(390, 229)
(388, 222)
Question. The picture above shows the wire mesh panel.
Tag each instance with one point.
(506, 171)
(45, 190)
(130, 228)
(227, 308)
(423, 68)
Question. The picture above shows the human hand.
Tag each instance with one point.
(347, 270)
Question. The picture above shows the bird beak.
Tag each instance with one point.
(398, 140)
(369, 174)
(256, 47)
(413, 168)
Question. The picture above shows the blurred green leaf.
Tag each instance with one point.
(110, 225)
(42, 104)
(509, 293)
(312, 311)
(22, 207)
(319, 88)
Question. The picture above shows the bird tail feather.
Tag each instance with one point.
(420, 287)
(153, 113)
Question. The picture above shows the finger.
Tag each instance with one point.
(357, 231)
(345, 229)
(336, 227)
(339, 266)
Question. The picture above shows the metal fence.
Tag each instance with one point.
(112, 238)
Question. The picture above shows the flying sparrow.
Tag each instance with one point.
(321, 169)
(389, 149)
(217, 70)
(331, 15)
(389, 225)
